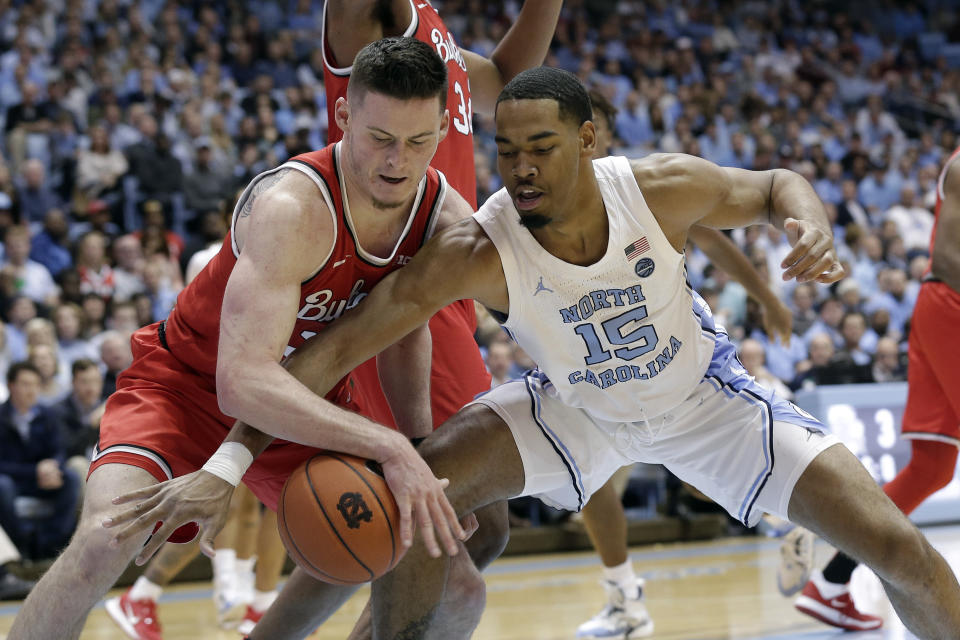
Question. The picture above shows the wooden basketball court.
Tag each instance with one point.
(695, 591)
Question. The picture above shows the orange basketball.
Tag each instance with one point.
(338, 519)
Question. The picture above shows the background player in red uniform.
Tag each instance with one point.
(931, 419)
(296, 258)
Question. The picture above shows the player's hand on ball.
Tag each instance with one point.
(421, 500)
(199, 497)
(813, 257)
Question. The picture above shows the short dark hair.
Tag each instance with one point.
(400, 68)
(603, 108)
(82, 364)
(17, 367)
(547, 83)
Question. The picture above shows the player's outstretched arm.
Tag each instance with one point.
(684, 190)
(524, 46)
(777, 319)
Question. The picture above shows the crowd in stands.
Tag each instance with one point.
(131, 125)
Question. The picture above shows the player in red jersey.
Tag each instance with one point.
(931, 419)
(458, 372)
(309, 240)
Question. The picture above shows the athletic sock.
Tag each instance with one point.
(623, 576)
(143, 589)
(224, 563)
(840, 568)
(245, 565)
(263, 599)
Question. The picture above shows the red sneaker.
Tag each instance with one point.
(839, 611)
(250, 620)
(137, 618)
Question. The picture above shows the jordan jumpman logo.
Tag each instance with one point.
(540, 287)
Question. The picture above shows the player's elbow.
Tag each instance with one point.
(233, 388)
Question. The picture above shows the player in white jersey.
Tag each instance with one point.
(582, 259)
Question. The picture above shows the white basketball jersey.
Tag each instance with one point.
(619, 338)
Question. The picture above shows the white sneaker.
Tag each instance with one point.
(796, 561)
(622, 618)
(228, 600)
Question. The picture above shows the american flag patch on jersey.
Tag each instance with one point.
(636, 248)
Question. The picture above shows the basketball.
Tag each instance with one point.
(338, 519)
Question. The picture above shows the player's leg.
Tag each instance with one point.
(58, 605)
(932, 420)
(476, 451)
(624, 614)
(271, 555)
(465, 593)
(837, 499)
(302, 605)
(232, 571)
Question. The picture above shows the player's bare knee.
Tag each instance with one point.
(466, 589)
(492, 536)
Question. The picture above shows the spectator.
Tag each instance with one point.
(888, 362)
(158, 173)
(46, 360)
(78, 415)
(29, 278)
(128, 269)
(116, 356)
(50, 247)
(213, 229)
(499, 362)
(752, 356)
(68, 320)
(206, 186)
(859, 342)
(914, 223)
(94, 315)
(828, 322)
(803, 298)
(26, 124)
(100, 168)
(35, 195)
(32, 460)
(897, 295)
(96, 275)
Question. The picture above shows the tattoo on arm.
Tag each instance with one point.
(261, 186)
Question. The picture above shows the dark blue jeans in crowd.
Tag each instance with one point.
(44, 537)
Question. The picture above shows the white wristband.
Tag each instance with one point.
(230, 462)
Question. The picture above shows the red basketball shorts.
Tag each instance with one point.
(933, 375)
(164, 418)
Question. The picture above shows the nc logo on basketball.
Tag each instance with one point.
(354, 510)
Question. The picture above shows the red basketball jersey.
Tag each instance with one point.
(343, 279)
(454, 156)
(936, 211)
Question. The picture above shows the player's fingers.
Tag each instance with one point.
(138, 510)
(139, 494)
(814, 252)
(447, 525)
(816, 269)
(792, 228)
(470, 525)
(833, 273)
(206, 543)
(426, 525)
(406, 526)
(154, 544)
(449, 514)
